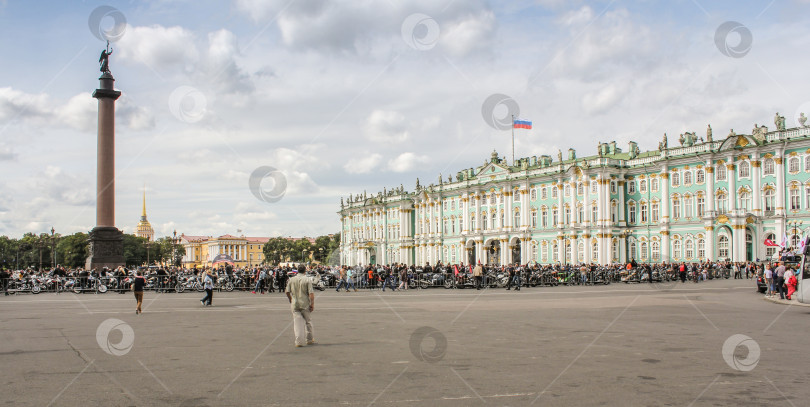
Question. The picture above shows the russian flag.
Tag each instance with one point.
(522, 124)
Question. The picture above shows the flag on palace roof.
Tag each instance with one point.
(522, 124)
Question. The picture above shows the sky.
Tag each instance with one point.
(256, 117)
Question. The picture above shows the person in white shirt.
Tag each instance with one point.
(769, 280)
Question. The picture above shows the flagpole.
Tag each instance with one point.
(513, 140)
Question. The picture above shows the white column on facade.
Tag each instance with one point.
(573, 201)
(665, 241)
(756, 190)
(561, 249)
(731, 174)
(710, 194)
(477, 214)
(780, 187)
(525, 216)
(622, 221)
(586, 204)
(663, 183)
(507, 208)
(465, 201)
(710, 249)
(560, 203)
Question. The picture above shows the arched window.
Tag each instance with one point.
(687, 178)
(676, 207)
(555, 252)
(516, 219)
(631, 212)
(554, 191)
(544, 252)
(795, 200)
(676, 179)
(722, 202)
(533, 195)
(567, 215)
(768, 167)
(631, 187)
(642, 186)
(701, 176)
(654, 184)
(493, 221)
(568, 255)
(701, 249)
(744, 169)
(484, 221)
(595, 212)
(555, 216)
(615, 249)
(643, 210)
(543, 217)
(534, 251)
(770, 250)
(544, 193)
(721, 172)
(676, 249)
(644, 251)
(687, 206)
(534, 219)
(580, 188)
(701, 205)
(722, 247)
(690, 249)
(793, 165)
(654, 211)
(567, 190)
(770, 201)
(581, 251)
(632, 250)
(656, 251)
(745, 200)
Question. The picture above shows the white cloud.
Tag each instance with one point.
(386, 127)
(604, 99)
(471, 32)
(407, 162)
(63, 187)
(157, 46)
(363, 165)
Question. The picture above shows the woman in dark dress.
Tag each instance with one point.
(137, 287)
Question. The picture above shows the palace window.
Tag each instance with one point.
(687, 178)
(533, 195)
(594, 212)
(613, 187)
(642, 186)
(581, 252)
(676, 249)
(770, 250)
(516, 219)
(690, 249)
(700, 175)
(615, 250)
(676, 208)
(687, 206)
(644, 251)
(543, 251)
(793, 165)
(631, 187)
(722, 247)
(745, 201)
(555, 252)
(795, 201)
(654, 184)
(568, 254)
(701, 249)
(544, 193)
(631, 211)
(721, 172)
(534, 251)
(567, 215)
(768, 167)
(472, 222)
(493, 220)
(484, 221)
(614, 212)
(676, 179)
(595, 184)
(654, 214)
(770, 201)
(632, 250)
(744, 169)
(503, 220)
(555, 218)
(580, 188)
(807, 196)
(581, 213)
(445, 226)
(594, 251)
(543, 218)
(722, 202)
(567, 190)
(554, 191)
(643, 210)
(656, 252)
(534, 219)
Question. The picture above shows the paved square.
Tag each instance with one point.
(567, 346)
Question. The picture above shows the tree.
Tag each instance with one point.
(276, 250)
(71, 250)
(302, 249)
(135, 250)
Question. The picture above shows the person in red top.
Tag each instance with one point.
(137, 288)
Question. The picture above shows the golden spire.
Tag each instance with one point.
(143, 214)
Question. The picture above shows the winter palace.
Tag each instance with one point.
(692, 199)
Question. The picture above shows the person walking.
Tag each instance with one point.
(768, 280)
(137, 288)
(342, 280)
(349, 280)
(302, 301)
(403, 278)
(779, 280)
(208, 285)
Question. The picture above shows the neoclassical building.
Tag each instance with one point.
(712, 198)
(144, 228)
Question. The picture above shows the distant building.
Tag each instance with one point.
(144, 229)
(245, 251)
(713, 199)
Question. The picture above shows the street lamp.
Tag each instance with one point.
(53, 248)
(794, 224)
(147, 252)
(174, 248)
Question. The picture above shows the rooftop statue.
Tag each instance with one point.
(802, 119)
(104, 59)
(709, 133)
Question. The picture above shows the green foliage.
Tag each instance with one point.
(279, 249)
(71, 250)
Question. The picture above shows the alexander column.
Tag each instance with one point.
(106, 241)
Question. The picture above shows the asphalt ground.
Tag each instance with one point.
(716, 343)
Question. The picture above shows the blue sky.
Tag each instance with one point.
(340, 100)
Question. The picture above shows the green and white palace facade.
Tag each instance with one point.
(712, 199)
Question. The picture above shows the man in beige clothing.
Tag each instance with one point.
(302, 299)
(478, 273)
